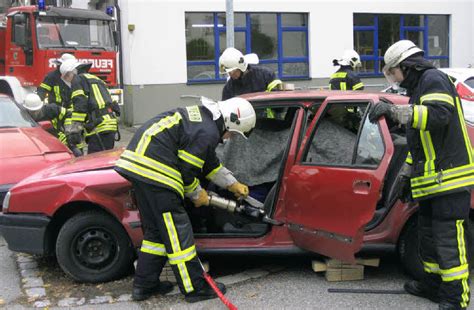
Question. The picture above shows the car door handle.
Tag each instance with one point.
(361, 186)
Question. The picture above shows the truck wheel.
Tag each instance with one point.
(409, 252)
(94, 247)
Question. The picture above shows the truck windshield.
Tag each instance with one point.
(55, 32)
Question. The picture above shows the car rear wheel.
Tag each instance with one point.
(94, 247)
(410, 254)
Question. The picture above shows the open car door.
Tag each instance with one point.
(333, 188)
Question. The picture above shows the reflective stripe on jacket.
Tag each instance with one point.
(255, 79)
(55, 90)
(440, 149)
(173, 149)
(345, 79)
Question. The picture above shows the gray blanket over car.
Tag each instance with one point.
(256, 160)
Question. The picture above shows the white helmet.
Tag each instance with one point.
(232, 59)
(349, 58)
(239, 115)
(398, 52)
(69, 66)
(33, 102)
(64, 57)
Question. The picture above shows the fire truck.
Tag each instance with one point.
(33, 37)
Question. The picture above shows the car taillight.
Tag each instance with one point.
(464, 92)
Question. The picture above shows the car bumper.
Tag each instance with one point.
(24, 232)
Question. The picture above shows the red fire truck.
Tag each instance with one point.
(32, 37)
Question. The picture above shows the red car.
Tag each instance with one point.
(327, 178)
(25, 147)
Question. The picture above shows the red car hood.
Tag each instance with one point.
(24, 151)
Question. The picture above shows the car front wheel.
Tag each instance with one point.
(94, 247)
(410, 254)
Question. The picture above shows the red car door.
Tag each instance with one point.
(333, 188)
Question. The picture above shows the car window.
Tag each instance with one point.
(470, 82)
(335, 138)
(12, 116)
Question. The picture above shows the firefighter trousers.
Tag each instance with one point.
(168, 236)
(100, 142)
(443, 233)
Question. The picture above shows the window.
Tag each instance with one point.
(343, 138)
(375, 33)
(279, 39)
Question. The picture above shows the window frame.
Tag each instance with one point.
(247, 29)
(403, 28)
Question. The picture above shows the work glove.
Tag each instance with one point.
(404, 187)
(202, 199)
(74, 138)
(400, 114)
(239, 189)
(76, 151)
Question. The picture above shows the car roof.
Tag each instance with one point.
(459, 73)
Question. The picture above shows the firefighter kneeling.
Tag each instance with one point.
(163, 162)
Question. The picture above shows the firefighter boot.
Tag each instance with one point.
(418, 289)
(204, 293)
(142, 293)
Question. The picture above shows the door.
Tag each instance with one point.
(333, 187)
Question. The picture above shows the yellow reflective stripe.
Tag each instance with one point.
(273, 84)
(78, 92)
(45, 86)
(57, 93)
(164, 123)
(462, 123)
(153, 248)
(98, 96)
(409, 159)
(182, 256)
(461, 244)
(456, 273)
(62, 113)
(357, 86)
(438, 97)
(465, 293)
(150, 174)
(173, 236)
(213, 172)
(62, 137)
(191, 187)
(153, 164)
(343, 86)
(191, 159)
(443, 175)
(420, 117)
(339, 75)
(78, 117)
(431, 267)
(91, 76)
(443, 187)
(330, 86)
(429, 151)
(270, 113)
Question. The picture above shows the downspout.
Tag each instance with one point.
(119, 21)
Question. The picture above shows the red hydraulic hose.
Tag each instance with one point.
(213, 284)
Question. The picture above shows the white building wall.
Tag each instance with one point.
(155, 52)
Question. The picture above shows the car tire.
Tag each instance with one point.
(93, 247)
(410, 254)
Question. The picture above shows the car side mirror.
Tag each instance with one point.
(46, 125)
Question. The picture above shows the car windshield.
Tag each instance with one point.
(55, 32)
(12, 116)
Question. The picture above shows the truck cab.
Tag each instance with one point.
(31, 39)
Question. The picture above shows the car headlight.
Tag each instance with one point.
(6, 202)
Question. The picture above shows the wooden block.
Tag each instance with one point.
(356, 272)
(373, 262)
(318, 266)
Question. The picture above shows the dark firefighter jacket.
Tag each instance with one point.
(255, 79)
(54, 88)
(172, 149)
(345, 79)
(440, 149)
(93, 105)
(57, 115)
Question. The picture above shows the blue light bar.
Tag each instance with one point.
(109, 10)
(41, 5)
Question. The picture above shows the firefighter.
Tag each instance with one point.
(54, 113)
(163, 162)
(243, 77)
(93, 110)
(440, 165)
(53, 88)
(345, 78)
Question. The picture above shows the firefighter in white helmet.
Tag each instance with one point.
(439, 169)
(54, 113)
(345, 78)
(244, 76)
(54, 89)
(164, 161)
